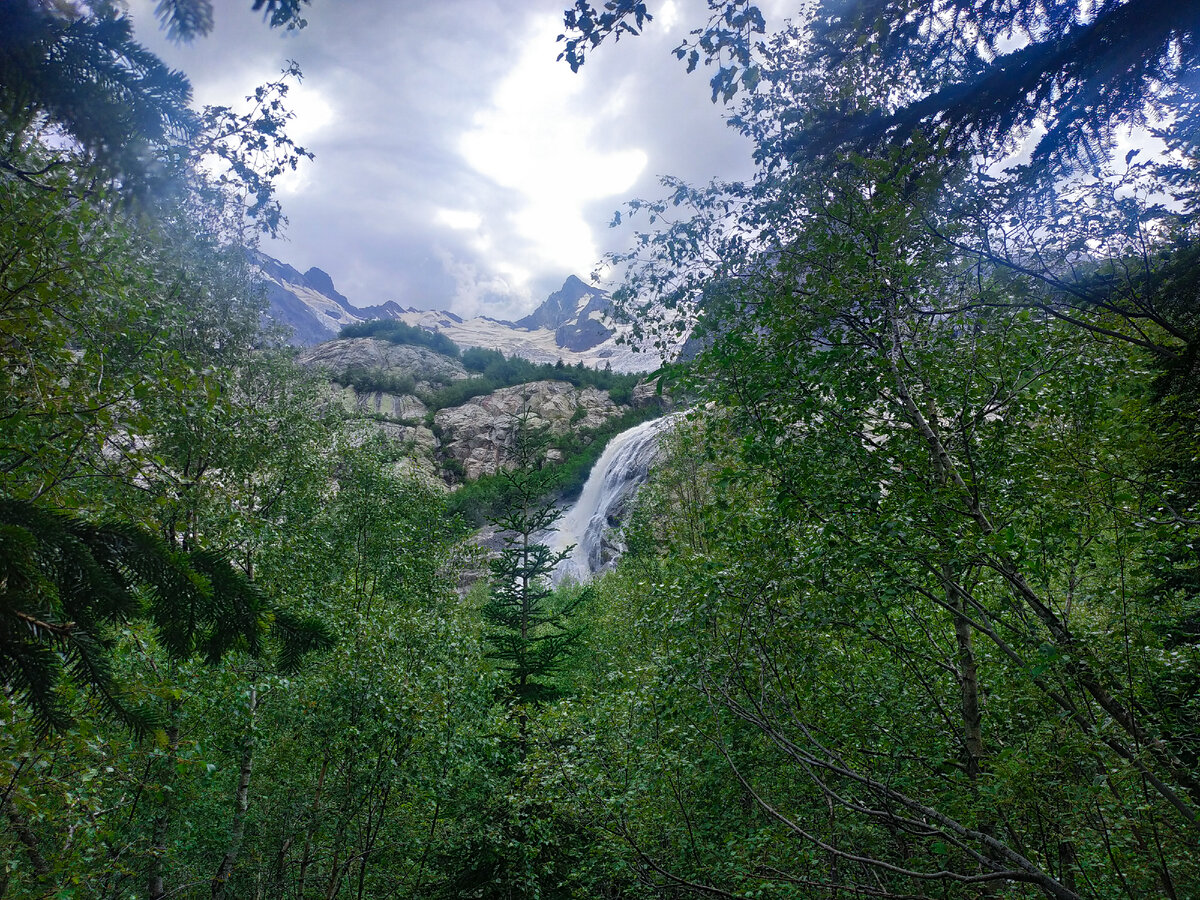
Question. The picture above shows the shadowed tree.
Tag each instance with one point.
(65, 582)
(858, 74)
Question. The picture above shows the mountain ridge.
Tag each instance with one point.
(573, 324)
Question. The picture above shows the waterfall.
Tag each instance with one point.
(621, 470)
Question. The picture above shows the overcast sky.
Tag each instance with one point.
(458, 165)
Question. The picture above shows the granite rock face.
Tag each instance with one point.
(650, 392)
(399, 407)
(583, 334)
(428, 370)
(417, 443)
(479, 434)
(470, 440)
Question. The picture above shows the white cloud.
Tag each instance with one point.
(312, 113)
(668, 16)
(458, 219)
(499, 291)
(536, 140)
(457, 162)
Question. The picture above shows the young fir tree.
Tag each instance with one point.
(527, 634)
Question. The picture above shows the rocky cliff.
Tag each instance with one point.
(479, 434)
(390, 362)
(394, 389)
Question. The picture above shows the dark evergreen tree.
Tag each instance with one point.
(64, 582)
(81, 70)
(528, 635)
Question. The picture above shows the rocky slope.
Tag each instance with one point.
(427, 369)
(479, 435)
(390, 387)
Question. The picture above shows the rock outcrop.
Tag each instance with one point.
(649, 392)
(417, 444)
(428, 370)
(399, 407)
(478, 435)
(393, 382)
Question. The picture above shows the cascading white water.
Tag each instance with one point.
(622, 469)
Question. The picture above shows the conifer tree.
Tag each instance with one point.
(64, 581)
(528, 636)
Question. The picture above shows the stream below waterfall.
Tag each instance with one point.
(619, 472)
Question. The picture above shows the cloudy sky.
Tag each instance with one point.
(458, 165)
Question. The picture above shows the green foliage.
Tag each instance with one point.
(910, 605)
(68, 584)
(83, 71)
(477, 359)
(128, 119)
(498, 371)
(396, 332)
(909, 610)
(823, 85)
(912, 493)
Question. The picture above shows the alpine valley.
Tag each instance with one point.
(451, 396)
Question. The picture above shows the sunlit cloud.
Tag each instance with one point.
(668, 16)
(312, 113)
(537, 141)
(458, 219)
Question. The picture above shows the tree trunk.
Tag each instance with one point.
(306, 855)
(968, 680)
(241, 803)
(162, 820)
(20, 827)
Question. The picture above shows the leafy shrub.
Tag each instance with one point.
(477, 359)
(459, 392)
(621, 394)
(368, 380)
(495, 371)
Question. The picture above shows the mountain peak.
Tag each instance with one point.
(563, 306)
(319, 280)
(572, 324)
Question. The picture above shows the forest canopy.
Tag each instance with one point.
(910, 607)
(926, 563)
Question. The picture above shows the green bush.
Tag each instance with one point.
(621, 394)
(496, 371)
(368, 380)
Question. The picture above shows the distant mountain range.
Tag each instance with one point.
(572, 324)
